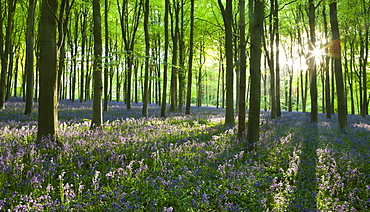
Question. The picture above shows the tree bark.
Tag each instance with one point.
(29, 57)
(106, 66)
(165, 65)
(97, 116)
(5, 55)
(175, 37)
(256, 11)
(227, 14)
(48, 103)
(336, 54)
(242, 69)
(190, 64)
(147, 55)
(312, 63)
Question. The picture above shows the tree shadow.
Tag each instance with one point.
(304, 193)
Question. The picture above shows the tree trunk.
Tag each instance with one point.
(97, 116)
(190, 64)
(312, 63)
(256, 11)
(326, 68)
(242, 61)
(336, 54)
(30, 57)
(5, 55)
(165, 65)
(175, 37)
(48, 103)
(147, 55)
(227, 14)
(106, 66)
(277, 61)
(83, 47)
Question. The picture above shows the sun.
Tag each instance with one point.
(318, 52)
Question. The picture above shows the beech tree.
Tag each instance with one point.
(256, 15)
(48, 102)
(190, 64)
(97, 116)
(242, 43)
(336, 54)
(30, 57)
(227, 14)
(147, 55)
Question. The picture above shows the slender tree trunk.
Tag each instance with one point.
(175, 38)
(190, 64)
(312, 64)
(227, 14)
(30, 57)
(83, 59)
(242, 60)
(326, 67)
(97, 114)
(277, 61)
(147, 55)
(2, 58)
(165, 66)
(5, 55)
(48, 103)
(106, 66)
(256, 11)
(336, 54)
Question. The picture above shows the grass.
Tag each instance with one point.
(181, 163)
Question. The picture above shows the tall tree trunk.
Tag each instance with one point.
(147, 55)
(227, 14)
(256, 11)
(165, 66)
(181, 70)
(365, 101)
(312, 63)
(190, 63)
(83, 59)
(336, 54)
(277, 61)
(30, 57)
(106, 66)
(5, 55)
(48, 103)
(175, 38)
(2, 58)
(326, 67)
(97, 113)
(242, 61)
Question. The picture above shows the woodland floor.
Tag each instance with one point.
(181, 163)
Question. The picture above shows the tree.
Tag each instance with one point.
(5, 54)
(227, 14)
(242, 43)
(147, 55)
(336, 54)
(312, 63)
(97, 116)
(129, 31)
(29, 57)
(106, 67)
(175, 38)
(190, 64)
(48, 102)
(256, 15)
(165, 60)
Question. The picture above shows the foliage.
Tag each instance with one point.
(182, 163)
